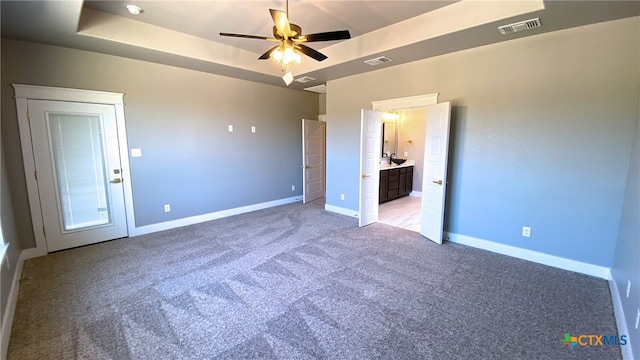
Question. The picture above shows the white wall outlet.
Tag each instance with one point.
(253, 129)
(526, 231)
(167, 208)
(341, 196)
(293, 188)
(230, 128)
(406, 153)
(628, 288)
(136, 153)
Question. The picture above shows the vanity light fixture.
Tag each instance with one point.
(134, 10)
(390, 115)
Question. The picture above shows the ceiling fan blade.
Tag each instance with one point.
(327, 36)
(268, 53)
(281, 21)
(310, 52)
(245, 36)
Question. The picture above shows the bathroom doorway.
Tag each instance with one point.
(434, 152)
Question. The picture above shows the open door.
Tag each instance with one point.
(369, 166)
(434, 179)
(313, 149)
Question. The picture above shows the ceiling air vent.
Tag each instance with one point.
(377, 61)
(304, 79)
(520, 26)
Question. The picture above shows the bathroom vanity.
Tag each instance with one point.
(395, 181)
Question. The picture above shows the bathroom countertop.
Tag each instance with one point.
(387, 166)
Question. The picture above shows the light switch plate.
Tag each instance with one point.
(253, 129)
(136, 152)
(230, 128)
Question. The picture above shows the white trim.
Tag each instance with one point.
(530, 255)
(3, 252)
(618, 310)
(211, 216)
(64, 94)
(410, 102)
(341, 211)
(23, 93)
(416, 194)
(7, 321)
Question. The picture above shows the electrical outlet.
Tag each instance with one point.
(293, 188)
(628, 288)
(406, 153)
(167, 208)
(230, 128)
(341, 196)
(253, 129)
(136, 152)
(526, 231)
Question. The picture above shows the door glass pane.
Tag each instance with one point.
(80, 169)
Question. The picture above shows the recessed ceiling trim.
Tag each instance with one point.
(320, 89)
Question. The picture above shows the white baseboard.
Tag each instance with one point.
(530, 255)
(342, 211)
(416, 194)
(211, 216)
(618, 310)
(7, 321)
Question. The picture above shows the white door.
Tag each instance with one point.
(369, 166)
(434, 179)
(75, 148)
(313, 148)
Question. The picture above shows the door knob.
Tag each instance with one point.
(439, 182)
(305, 166)
(365, 176)
(116, 180)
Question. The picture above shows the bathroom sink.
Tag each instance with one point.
(398, 161)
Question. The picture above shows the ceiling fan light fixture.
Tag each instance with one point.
(288, 78)
(286, 55)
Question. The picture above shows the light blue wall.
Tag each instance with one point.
(626, 263)
(179, 119)
(541, 136)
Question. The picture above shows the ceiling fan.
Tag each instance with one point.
(290, 39)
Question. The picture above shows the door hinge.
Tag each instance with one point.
(35, 175)
(44, 232)
(28, 116)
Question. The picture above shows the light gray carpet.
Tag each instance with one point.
(297, 282)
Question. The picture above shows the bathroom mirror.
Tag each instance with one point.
(389, 139)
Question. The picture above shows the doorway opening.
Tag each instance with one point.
(403, 136)
(434, 120)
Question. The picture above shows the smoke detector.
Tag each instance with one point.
(520, 26)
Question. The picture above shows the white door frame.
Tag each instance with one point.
(23, 93)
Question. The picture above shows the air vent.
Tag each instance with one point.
(377, 61)
(520, 26)
(304, 79)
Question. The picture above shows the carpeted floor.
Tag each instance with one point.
(297, 282)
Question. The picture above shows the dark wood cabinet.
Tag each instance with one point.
(395, 183)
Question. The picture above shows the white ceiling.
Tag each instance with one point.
(185, 33)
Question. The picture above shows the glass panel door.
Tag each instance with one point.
(79, 163)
